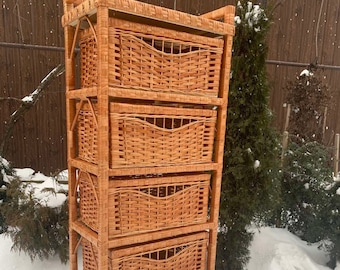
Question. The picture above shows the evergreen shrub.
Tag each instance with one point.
(251, 146)
(5, 169)
(310, 203)
(35, 228)
(306, 176)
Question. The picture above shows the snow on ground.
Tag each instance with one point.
(11, 260)
(277, 249)
(271, 249)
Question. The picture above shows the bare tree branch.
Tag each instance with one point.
(10, 98)
(28, 102)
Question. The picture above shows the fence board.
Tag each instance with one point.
(292, 38)
(39, 138)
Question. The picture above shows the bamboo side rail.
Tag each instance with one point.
(71, 151)
(227, 15)
(103, 137)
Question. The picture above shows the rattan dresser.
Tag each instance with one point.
(147, 91)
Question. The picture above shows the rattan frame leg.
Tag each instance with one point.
(103, 136)
(70, 112)
(227, 15)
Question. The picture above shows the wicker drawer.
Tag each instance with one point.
(147, 136)
(154, 59)
(146, 204)
(186, 253)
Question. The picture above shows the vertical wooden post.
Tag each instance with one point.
(324, 123)
(336, 154)
(285, 128)
(284, 145)
(103, 136)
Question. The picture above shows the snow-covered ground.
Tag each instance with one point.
(272, 248)
(277, 249)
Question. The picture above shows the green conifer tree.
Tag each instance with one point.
(251, 143)
(5, 169)
(308, 98)
(35, 228)
(310, 200)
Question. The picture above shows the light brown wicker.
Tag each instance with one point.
(144, 135)
(77, 9)
(179, 253)
(148, 98)
(138, 205)
(154, 59)
(90, 255)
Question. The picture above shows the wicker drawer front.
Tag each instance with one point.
(181, 253)
(147, 204)
(155, 59)
(147, 136)
(160, 136)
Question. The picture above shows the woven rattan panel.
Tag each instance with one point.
(145, 135)
(154, 59)
(138, 205)
(188, 252)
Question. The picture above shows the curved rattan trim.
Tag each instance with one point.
(166, 130)
(202, 49)
(165, 198)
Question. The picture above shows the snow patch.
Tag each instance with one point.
(13, 260)
(24, 174)
(278, 249)
(47, 190)
(27, 99)
(257, 164)
(288, 256)
(254, 13)
(306, 72)
(5, 164)
(30, 97)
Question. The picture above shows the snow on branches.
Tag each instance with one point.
(252, 16)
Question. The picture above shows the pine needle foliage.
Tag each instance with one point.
(310, 199)
(310, 207)
(331, 213)
(36, 229)
(309, 98)
(5, 170)
(306, 176)
(251, 147)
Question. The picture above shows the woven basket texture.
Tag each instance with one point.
(184, 253)
(143, 135)
(90, 256)
(152, 62)
(186, 256)
(146, 204)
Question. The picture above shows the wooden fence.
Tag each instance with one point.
(302, 32)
